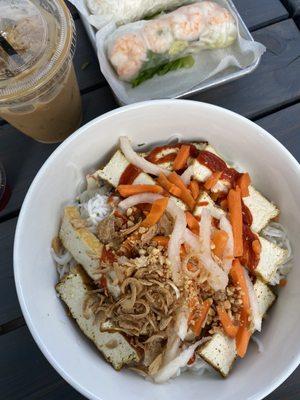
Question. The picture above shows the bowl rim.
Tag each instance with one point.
(17, 239)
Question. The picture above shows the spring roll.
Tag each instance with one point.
(140, 50)
(125, 11)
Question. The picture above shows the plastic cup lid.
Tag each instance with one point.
(36, 37)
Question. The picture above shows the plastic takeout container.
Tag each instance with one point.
(221, 78)
(38, 88)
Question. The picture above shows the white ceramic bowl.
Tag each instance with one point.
(275, 173)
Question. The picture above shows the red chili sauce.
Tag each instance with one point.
(216, 164)
(130, 173)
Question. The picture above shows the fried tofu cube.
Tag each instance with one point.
(265, 296)
(113, 171)
(271, 257)
(219, 352)
(262, 210)
(80, 242)
(73, 290)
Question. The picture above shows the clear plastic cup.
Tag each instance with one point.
(39, 92)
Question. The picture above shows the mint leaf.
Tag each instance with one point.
(163, 69)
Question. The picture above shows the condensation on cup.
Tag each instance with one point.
(39, 93)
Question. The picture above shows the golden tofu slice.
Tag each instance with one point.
(262, 210)
(219, 352)
(271, 257)
(80, 242)
(113, 171)
(265, 296)
(73, 290)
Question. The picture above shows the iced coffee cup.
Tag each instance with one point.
(39, 92)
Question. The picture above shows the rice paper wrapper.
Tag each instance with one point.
(99, 13)
(208, 64)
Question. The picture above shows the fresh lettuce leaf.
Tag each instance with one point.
(163, 69)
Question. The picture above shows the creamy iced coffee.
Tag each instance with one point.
(39, 93)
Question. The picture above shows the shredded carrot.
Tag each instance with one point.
(219, 239)
(244, 183)
(175, 191)
(195, 189)
(230, 329)
(182, 157)
(157, 209)
(238, 278)
(236, 219)
(130, 190)
(212, 180)
(242, 341)
(161, 240)
(283, 282)
(186, 195)
(192, 223)
(204, 308)
(256, 246)
(170, 187)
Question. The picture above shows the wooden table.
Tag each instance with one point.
(270, 96)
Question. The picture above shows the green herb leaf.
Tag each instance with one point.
(163, 69)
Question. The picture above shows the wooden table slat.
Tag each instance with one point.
(259, 13)
(275, 82)
(85, 61)
(25, 373)
(72, 9)
(293, 7)
(9, 305)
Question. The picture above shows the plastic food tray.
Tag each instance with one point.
(223, 77)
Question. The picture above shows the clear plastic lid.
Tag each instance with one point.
(36, 38)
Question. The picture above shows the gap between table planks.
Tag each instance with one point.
(293, 6)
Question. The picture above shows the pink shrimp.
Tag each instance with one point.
(127, 55)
